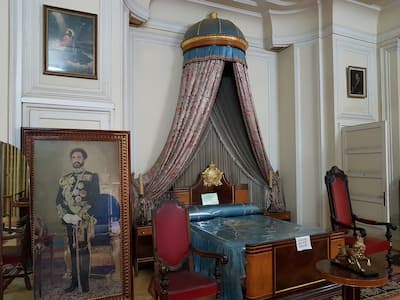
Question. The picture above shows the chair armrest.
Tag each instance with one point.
(361, 230)
(222, 259)
(389, 226)
(373, 222)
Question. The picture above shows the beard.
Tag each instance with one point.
(77, 165)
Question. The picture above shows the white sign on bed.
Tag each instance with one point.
(303, 243)
(209, 199)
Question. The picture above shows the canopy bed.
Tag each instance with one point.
(215, 121)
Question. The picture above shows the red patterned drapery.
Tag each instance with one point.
(253, 132)
(199, 86)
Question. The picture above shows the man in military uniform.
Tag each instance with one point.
(76, 195)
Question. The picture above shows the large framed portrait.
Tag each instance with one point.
(81, 213)
(70, 42)
(356, 82)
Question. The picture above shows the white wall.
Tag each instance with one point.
(287, 127)
(140, 70)
(262, 68)
(56, 101)
(389, 63)
(308, 144)
(157, 68)
(347, 37)
(4, 60)
(327, 113)
(388, 22)
(349, 15)
(300, 136)
(297, 25)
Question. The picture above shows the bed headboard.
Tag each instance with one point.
(211, 180)
(225, 192)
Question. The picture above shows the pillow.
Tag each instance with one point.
(201, 213)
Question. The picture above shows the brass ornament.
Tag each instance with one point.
(354, 255)
(212, 176)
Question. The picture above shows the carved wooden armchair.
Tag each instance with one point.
(18, 256)
(174, 273)
(343, 218)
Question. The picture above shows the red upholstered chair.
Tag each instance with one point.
(174, 276)
(343, 218)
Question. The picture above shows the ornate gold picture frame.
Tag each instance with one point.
(81, 213)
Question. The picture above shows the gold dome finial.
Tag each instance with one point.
(213, 15)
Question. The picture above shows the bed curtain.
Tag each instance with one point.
(200, 84)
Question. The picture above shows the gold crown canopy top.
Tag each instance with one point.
(214, 31)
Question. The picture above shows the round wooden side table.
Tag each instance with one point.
(350, 281)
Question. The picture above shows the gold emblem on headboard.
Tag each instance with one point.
(212, 176)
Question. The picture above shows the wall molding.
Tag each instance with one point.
(159, 38)
(354, 34)
(294, 39)
(26, 81)
(299, 141)
(369, 52)
(36, 110)
(180, 30)
(15, 72)
(227, 8)
(165, 26)
(306, 96)
(91, 105)
(36, 84)
(137, 10)
(389, 35)
(392, 117)
(285, 40)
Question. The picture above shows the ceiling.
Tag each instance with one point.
(259, 7)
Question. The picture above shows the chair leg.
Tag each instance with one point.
(389, 258)
(26, 279)
(389, 255)
(27, 282)
(151, 289)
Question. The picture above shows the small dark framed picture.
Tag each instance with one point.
(356, 82)
(70, 43)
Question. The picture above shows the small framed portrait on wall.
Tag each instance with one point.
(70, 43)
(356, 82)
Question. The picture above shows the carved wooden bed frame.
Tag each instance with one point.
(227, 193)
(275, 269)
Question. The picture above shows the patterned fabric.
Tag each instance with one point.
(230, 235)
(199, 86)
(277, 201)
